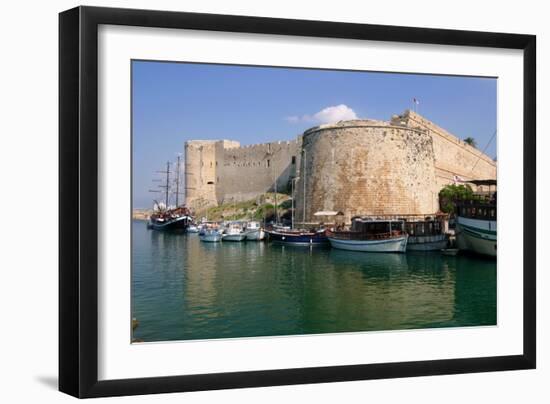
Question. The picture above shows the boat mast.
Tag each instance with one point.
(167, 186)
(304, 179)
(292, 181)
(167, 182)
(276, 211)
(292, 207)
(178, 182)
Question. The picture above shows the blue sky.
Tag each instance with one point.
(175, 102)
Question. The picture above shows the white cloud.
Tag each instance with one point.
(330, 114)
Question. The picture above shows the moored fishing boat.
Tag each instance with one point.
(476, 222)
(211, 235)
(298, 237)
(426, 235)
(234, 232)
(254, 231)
(370, 235)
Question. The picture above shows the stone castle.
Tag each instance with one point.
(358, 167)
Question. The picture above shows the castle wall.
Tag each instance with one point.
(218, 172)
(357, 167)
(251, 170)
(367, 168)
(200, 173)
(452, 155)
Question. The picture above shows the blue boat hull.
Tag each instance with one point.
(305, 239)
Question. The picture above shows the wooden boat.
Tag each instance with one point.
(298, 237)
(171, 219)
(234, 232)
(164, 218)
(371, 235)
(254, 231)
(426, 235)
(211, 235)
(476, 223)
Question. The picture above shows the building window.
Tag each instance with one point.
(293, 159)
(268, 163)
(210, 182)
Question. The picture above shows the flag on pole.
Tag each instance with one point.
(457, 179)
(415, 104)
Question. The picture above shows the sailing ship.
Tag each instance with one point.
(476, 221)
(177, 218)
(170, 219)
(370, 235)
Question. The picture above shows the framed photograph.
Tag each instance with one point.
(251, 201)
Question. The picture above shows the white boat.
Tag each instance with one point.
(211, 235)
(477, 235)
(476, 223)
(192, 229)
(371, 235)
(396, 244)
(254, 231)
(234, 232)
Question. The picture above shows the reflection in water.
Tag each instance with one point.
(185, 289)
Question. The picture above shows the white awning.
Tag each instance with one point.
(327, 213)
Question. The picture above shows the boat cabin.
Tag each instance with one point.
(426, 227)
(373, 226)
(477, 210)
(484, 204)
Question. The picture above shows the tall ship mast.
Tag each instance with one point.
(164, 217)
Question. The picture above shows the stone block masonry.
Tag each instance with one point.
(221, 171)
(358, 167)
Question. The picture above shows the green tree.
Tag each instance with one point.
(452, 193)
(471, 141)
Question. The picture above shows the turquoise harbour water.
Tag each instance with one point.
(185, 289)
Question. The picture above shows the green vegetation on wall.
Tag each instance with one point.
(452, 193)
(262, 208)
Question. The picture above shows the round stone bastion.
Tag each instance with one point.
(366, 167)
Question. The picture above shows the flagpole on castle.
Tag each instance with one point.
(415, 105)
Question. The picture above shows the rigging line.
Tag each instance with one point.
(483, 152)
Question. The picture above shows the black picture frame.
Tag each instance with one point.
(78, 201)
